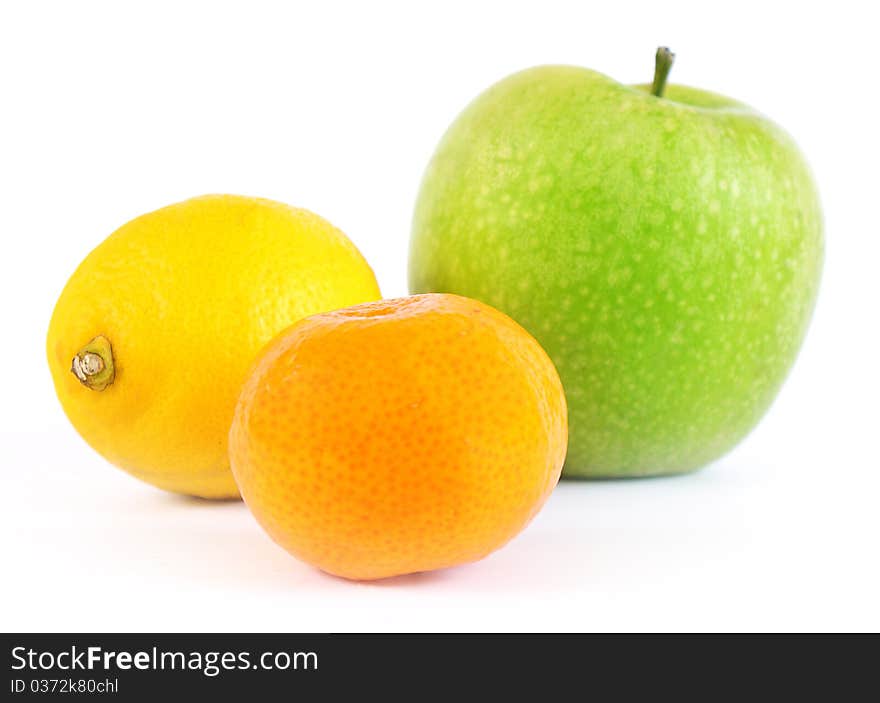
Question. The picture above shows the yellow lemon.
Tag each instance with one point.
(154, 333)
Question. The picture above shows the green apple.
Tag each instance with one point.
(664, 244)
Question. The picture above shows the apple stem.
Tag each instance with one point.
(662, 66)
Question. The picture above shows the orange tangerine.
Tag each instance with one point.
(399, 436)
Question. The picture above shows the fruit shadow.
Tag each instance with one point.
(419, 579)
(197, 502)
(632, 478)
(205, 550)
(581, 537)
(230, 548)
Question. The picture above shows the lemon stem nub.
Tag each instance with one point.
(93, 364)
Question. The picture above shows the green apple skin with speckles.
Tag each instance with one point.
(665, 251)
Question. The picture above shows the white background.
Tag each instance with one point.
(109, 110)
